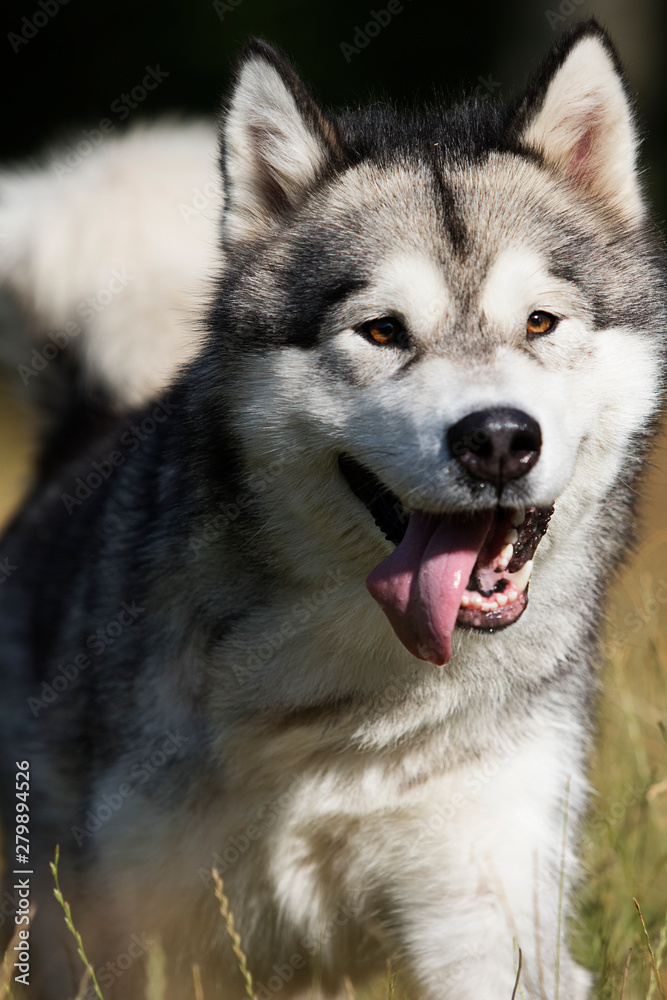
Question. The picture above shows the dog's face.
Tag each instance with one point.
(457, 326)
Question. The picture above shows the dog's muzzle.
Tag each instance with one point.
(467, 569)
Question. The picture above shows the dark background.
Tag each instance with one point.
(88, 53)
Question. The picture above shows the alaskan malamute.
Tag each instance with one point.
(322, 612)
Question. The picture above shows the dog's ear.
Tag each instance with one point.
(578, 116)
(276, 142)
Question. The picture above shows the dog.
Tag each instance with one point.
(316, 602)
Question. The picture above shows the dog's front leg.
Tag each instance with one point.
(480, 877)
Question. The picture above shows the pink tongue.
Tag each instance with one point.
(419, 586)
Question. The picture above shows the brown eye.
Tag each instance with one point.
(540, 323)
(385, 330)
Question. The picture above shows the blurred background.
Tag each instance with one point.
(70, 60)
(70, 65)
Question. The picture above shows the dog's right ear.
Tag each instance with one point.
(276, 142)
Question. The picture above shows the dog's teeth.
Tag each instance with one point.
(505, 556)
(512, 537)
(521, 577)
(501, 599)
(476, 600)
(489, 606)
(519, 516)
(465, 600)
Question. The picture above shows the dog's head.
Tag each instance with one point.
(452, 320)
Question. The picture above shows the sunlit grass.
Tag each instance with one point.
(625, 847)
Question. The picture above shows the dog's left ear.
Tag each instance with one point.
(276, 142)
(578, 116)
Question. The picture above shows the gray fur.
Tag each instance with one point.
(362, 803)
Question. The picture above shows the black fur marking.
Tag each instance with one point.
(308, 303)
(384, 506)
(417, 356)
(452, 219)
(391, 135)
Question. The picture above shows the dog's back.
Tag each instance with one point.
(110, 260)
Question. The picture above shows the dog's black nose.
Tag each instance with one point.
(496, 445)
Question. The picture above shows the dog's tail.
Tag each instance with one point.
(107, 252)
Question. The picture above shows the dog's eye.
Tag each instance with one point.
(539, 323)
(385, 330)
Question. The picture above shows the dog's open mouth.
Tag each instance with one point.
(448, 570)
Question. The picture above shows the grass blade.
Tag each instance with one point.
(57, 892)
(196, 977)
(654, 965)
(625, 975)
(561, 889)
(234, 935)
(662, 948)
(518, 975)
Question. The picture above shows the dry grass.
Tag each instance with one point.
(625, 847)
